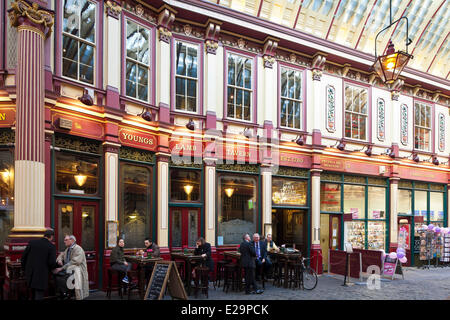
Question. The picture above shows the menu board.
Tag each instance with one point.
(165, 273)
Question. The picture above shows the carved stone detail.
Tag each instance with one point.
(22, 8)
(113, 9)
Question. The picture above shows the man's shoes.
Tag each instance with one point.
(250, 292)
(125, 279)
(259, 291)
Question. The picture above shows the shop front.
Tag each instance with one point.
(354, 210)
(290, 208)
(428, 203)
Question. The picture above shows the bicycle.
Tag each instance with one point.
(308, 277)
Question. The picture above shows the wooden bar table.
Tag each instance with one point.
(189, 259)
(236, 256)
(141, 263)
(286, 257)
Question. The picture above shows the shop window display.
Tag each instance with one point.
(135, 189)
(289, 192)
(237, 208)
(6, 194)
(376, 234)
(355, 234)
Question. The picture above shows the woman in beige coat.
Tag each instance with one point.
(73, 261)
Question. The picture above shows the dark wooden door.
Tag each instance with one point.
(184, 227)
(79, 218)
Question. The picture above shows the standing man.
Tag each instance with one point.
(248, 256)
(261, 256)
(38, 259)
(73, 261)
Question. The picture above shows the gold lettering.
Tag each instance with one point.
(139, 139)
(2, 116)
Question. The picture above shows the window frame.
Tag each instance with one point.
(369, 111)
(254, 83)
(97, 76)
(173, 74)
(431, 129)
(303, 89)
(126, 16)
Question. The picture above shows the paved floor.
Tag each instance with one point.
(419, 284)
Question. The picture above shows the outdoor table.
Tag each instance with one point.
(286, 257)
(236, 256)
(141, 263)
(188, 259)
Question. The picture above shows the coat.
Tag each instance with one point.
(77, 264)
(154, 250)
(206, 249)
(38, 259)
(262, 249)
(117, 256)
(248, 255)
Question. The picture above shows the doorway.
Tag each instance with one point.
(289, 228)
(330, 235)
(79, 218)
(404, 237)
(184, 227)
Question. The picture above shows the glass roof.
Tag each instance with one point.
(355, 23)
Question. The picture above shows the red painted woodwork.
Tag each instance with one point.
(185, 227)
(338, 263)
(316, 259)
(369, 258)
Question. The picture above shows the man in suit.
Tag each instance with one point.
(261, 261)
(38, 259)
(248, 256)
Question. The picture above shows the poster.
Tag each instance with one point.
(376, 214)
(354, 212)
(404, 236)
(389, 266)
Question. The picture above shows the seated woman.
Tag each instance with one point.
(203, 248)
(117, 259)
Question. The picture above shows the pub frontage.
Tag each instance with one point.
(202, 128)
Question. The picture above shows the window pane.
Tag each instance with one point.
(348, 98)
(354, 201)
(377, 203)
(144, 51)
(436, 206)
(348, 129)
(291, 84)
(248, 73)
(131, 89)
(65, 222)
(181, 59)
(330, 197)
(289, 192)
(86, 63)
(240, 72)
(70, 57)
(135, 204)
(88, 21)
(297, 115)
(284, 105)
(88, 228)
(298, 85)
(7, 195)
(76, 174)
(284, 82)
(131, 79)
(71, 17)
(143, 76)
(363, 101)
(355, 126)
(231, 70)
(192, 62)
(376, 232)
(404, 201)
(356, 100)
(132, 40)
(237, 207)
(290, 120)
(362, 127)
(417, 114)
(184, 185)
(355, 233)
(192, 88)
(420, 204)
(143, 92)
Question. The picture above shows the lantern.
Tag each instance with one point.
(389, 66)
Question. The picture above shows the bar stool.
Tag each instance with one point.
(131, 285)
(294, 274)
(118, 275)
(220, 271)
(230, 275)
(201, 280)
(180, 267)
(278, 272)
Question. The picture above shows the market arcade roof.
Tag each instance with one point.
(355, 23)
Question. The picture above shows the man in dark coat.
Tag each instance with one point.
(263, 264)
(248, 256)
(38, 259)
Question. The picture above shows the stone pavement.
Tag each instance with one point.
(419, 284)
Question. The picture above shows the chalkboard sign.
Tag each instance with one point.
(165, 275)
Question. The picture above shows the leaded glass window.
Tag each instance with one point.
(239, 87)
(79, 40)
(137, 61)
(186, 78)
(291, 98)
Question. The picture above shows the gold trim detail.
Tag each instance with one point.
(21, 8)
(31, 29)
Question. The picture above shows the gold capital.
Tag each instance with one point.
(21, 8)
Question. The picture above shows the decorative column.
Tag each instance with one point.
(317, 66)
(111, 152)
(395, 117)
(162, 161)
(270, 90)
(210, 200)
(33, 24)
(316, 250)
(266, 173)
(165, 20)
(112, 68)
(393, 217)
(211, 66)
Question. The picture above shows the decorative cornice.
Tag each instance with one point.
(23, 9)
(212, 36)
(113, 9)
(165, 21)
(317, 66)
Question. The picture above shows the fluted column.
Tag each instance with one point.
(393, 213)
(266, 173)
(33, 26)
(210, 201)
(316, 250)
(163, 199)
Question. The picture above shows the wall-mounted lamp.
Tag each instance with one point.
(86, 98)
(341, 145)
(5, 175)
(434, 160)
(368, 150)
(299, 140)
(146, 115)
(248, 133)
(415, 157)
(390, 152)
(190, 125)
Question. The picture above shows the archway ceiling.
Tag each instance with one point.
(355, 23)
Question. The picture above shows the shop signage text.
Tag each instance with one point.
(137, 139)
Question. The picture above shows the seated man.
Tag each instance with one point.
(270, 247)
(73, 272)
(151, 249)
(262, 264)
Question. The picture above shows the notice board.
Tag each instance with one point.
(165, 275)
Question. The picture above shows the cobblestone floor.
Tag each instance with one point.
(419, 284)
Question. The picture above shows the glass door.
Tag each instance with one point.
(184, 227)
(330, 236)
(79, 218)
